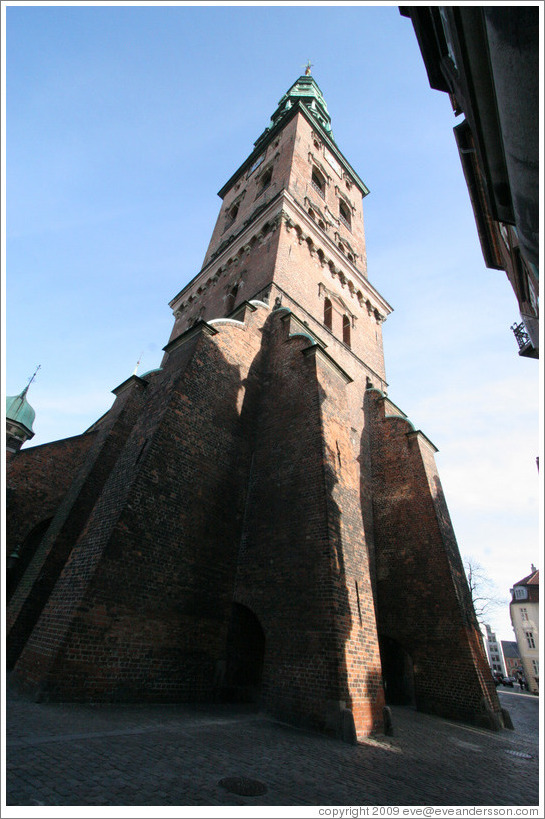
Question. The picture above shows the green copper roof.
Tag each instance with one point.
(19, 410)
(307, 91)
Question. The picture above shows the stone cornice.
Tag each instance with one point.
(334, 253)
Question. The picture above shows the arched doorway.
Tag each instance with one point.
(245, 654)
(397, 672)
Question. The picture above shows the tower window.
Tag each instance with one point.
(318, 182)
(346, 330)
(328, 314)
(523, 614)
(231, 299)
(266, 179)
(530, 639)
(232, 214)
(344, 214)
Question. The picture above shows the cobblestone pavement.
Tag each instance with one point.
(74, 754)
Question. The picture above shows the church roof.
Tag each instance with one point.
(19, 410)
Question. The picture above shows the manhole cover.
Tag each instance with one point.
(520, 754)
(243, 786)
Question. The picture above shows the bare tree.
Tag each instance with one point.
(484, 593)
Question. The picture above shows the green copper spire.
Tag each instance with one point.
(306, 91)
(19, 410)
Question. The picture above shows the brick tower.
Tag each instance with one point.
(255, 519)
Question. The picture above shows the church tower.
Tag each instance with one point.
(255, 519)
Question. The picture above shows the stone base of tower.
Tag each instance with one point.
(224, 555)
(225, 546)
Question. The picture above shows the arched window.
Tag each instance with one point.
(346, 330)
(344, 213)
(328, 314)
(231, 299)
(318, 182)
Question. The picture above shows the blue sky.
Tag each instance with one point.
(123, 122)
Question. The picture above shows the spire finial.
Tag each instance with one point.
(138, 363)
(31, 379)
(307, 68)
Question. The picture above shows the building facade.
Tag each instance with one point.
(487, 60)
(494, 652)
(255, 519)
(511, 658)
(524, 611)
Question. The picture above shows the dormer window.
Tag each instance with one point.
(344, 214)
(318, 182)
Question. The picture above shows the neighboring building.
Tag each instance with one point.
(255, 519)
(494, 651)
(487, 59)
(511, 658)
(524, 610)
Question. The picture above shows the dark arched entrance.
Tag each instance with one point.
(245, 653)
(397, 672)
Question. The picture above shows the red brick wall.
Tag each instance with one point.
(303, 547)
(423, 601)
(147, 592)
(37, 478)
(70, 517)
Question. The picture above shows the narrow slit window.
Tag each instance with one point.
(231, 299)
(328, 311)
(346, 330)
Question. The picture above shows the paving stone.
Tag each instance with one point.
(176, 755)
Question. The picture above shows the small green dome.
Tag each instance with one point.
(19, 410)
